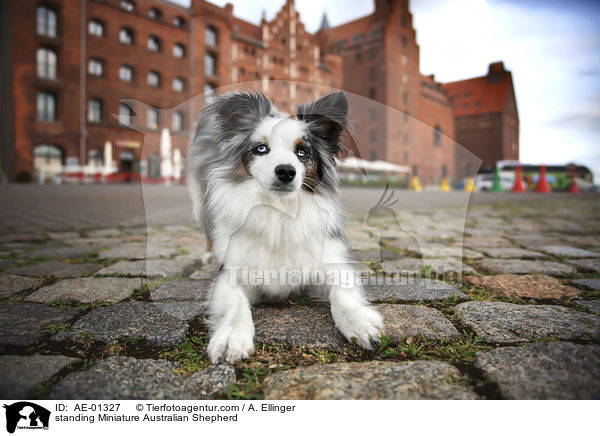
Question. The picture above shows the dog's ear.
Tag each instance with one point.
(240, 113)
(326, 118)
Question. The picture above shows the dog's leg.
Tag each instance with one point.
(231, 321)
(208, 256)
(353, 316)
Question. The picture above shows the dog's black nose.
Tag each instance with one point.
(285, 173)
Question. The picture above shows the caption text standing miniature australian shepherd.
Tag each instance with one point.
(265, 187)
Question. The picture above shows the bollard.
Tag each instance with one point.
(573, 189)
(497, 185)
(518, 186)
(416, 185)
(542, 184)
(469, 185)
(445, 185)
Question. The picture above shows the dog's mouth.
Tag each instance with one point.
(282, 188)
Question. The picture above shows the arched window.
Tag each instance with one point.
(211, 37)
(95, 158)
(154, 43)
(96, 28)
(179, 22)
(209, 92)
(47, 162)
(95, 110)
(177, 121)
(126, 36)
(127, 5)
(125, 73)
(46, 107)
(179, 50)
(46, 63)
(210, 65)
(125, 114)
(437, 136)
(46, 22)
(155, 13)
(96, 67)
(152, 118)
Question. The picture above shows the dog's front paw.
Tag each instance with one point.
(363, 326)
(230, 345)
(207, 258)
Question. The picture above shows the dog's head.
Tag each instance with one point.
(282, 154)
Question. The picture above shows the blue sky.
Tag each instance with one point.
(551, 47)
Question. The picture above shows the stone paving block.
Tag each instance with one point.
(126, 378)
(593, 284)
(565, 250)
(183, 290)
(24, 323)
(375, 255)
(412, 290)
(586, 264)
(519, 266)
(103, 233)
(311, 326)
(403, 267)
(206, 272)
(471, 254)
(160, 324)
(544, 371)
(509, 252)
(486, 241)
(588, 240)
(409, 321)
(56, 268)
(135, 250)
(419, 380)
(5, 263)
(86, 290)
(58, 252)
(538, 287)
(448, 265)
(365, 244)
(19, 237)
(12, 284)
(506, 323)
(20, 374)
(436, 250)
(146, 268)
(63, 235)
(591, 305)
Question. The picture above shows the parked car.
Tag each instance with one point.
(484, 182)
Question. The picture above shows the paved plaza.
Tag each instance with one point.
(103, 296)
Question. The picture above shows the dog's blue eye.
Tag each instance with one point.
(261, 149)
(301, 152)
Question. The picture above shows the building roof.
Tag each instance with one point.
(481, 94)
(324, 23)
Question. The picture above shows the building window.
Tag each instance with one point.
(155, 14)
(209, 92)
(177, 121)
(125, 114)
(404, 78)
(372, 135)
(46, 107)
(154, 43)
(444, 171)
(178, 22)
(178, 50)
(371, 93)
(415, 171)
(404, 60)
(375, 32)
(153, 79)
(437, 136)
(46, 21)
(373, 114)
(125, 73)
(211, 37)
(178, 84)
(404, 41)
(46, 63)
(152, 116)
(405, 97)
(96, 28)
(358, 38)
(373, 155)
(372, 53)
(372, 73)
(94, 111)
(406, 157)
(404, 21)
(405, 138)
(95, 67)
(126, 36)
(127, 5)
(210, 64)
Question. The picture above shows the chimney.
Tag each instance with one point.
(496, 72)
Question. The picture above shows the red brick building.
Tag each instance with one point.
(67, 66)
(486, 119)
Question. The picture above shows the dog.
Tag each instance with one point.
(265, 187)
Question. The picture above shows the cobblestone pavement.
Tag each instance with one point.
(503, 302)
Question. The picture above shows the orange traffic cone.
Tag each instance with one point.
(573, 189)
(542, 184)
(518, 186)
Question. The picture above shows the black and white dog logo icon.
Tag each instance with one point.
(26, 415)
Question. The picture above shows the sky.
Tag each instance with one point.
(551, 47)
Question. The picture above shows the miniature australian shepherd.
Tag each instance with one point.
(264, 184)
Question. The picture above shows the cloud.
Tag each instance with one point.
(581, 119)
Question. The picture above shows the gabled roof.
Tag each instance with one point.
(481, 94)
